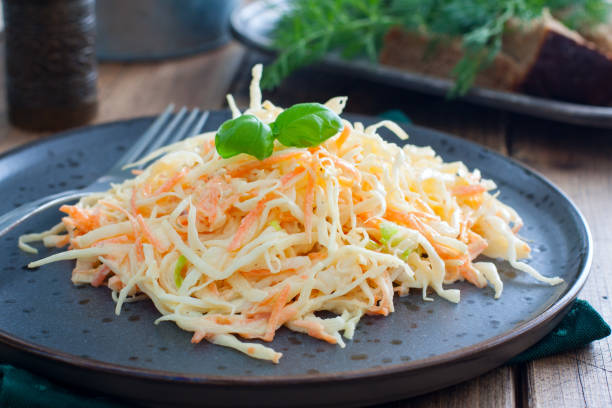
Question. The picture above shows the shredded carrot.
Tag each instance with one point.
(343, 136)
(209, 199)
(468, 190)
(101, 274)
(171, 182)
(199, 335)
(424, 206)
(369, 220)
(147, 232)
(317, 255)
(133, 202)
(147, 189)
(286, 314)
(257, 272)
(476, 244)
(264, 272)
(347, 167)
(411, 221)
(470, 273)
(308, 202)
(345, 181)
(115, 283)
(315, 329)
(223, 320)
(83, 220)
(282, 299)
(290, 176)
(377, 310)
(124, 212)
(517, 227)
(247, 168)
(214, 288)
(386, 288)
(139, 250)
(247, 222)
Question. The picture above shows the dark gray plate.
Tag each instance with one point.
(252, 23)
(71, 334)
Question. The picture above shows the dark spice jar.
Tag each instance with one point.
(50, 63)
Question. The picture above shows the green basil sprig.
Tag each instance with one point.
(245, 134)
(302, 125)
(306, 125)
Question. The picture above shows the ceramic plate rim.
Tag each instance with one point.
(464, 353)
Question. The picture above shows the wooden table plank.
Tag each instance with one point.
(128, 90)
(498, 387)
(579, 161)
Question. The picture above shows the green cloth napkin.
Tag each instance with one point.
(21, 389)
(581, 326)
(396, 115)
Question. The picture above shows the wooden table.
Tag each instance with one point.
(577, 159)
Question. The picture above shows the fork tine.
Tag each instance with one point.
(200, 125)
(145, 139)
(166, 133)
(186, 130)
(183, 130)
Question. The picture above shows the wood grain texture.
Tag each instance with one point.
(129, 90)
(579, 161)
(494, 389)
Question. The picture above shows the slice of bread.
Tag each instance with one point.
(542, 58)
(416, 52)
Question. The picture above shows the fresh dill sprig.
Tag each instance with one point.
(311, 29)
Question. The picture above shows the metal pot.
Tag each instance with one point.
(142, 30)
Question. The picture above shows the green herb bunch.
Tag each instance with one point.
(310, 29)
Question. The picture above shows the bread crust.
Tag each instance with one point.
(415, 52)
(542, 58)
(569, 70)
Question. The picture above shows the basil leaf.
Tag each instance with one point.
(245, 134)
(306, 125)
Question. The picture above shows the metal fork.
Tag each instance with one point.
(163, 131)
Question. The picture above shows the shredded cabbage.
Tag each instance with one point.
(240, 247)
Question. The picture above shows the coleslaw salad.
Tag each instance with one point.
(233, 249)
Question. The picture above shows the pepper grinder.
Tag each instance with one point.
(51, 71)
